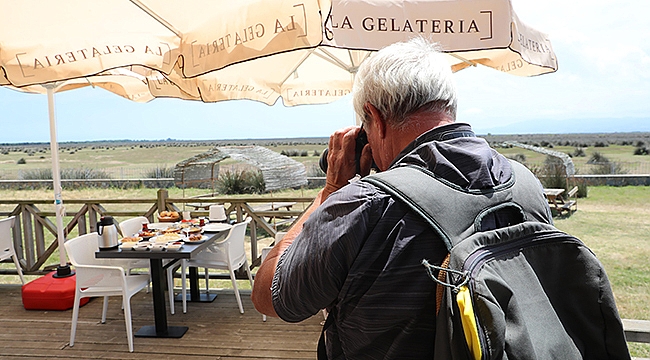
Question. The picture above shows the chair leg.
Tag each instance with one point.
(75, 316)
(18, 268)
(207, 280)
(170, 288)
(104, 309)
(234, 285)
(183, 285)
(126, 302)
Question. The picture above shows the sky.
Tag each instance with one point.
(602, 85)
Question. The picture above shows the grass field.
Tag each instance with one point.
(133, 159)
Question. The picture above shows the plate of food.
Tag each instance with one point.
(142, 246)
(128, 242)
(171, 229)
(196, 238)
(158, 226)
(214, 227)
(168, 237)
(174, 246)
(146, 235)
(169, 216)
(193, 230)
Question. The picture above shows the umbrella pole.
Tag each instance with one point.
(63, 270)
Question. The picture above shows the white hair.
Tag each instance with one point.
(404, 78)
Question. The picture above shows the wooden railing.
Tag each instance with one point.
(34, 231)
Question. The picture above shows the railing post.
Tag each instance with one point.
(30, 251)
(163, 195)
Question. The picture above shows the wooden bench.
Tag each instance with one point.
(572, 201)
(275, 206)
(637, 330)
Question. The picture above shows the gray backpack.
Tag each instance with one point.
(515, 287)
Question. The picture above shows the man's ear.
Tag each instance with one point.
(377, 119)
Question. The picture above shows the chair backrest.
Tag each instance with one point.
(217, 213)
(81, 250)
(133, 225)
(279, 235)
(234, 243)
(6, 240)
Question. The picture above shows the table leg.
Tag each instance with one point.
(195, 294)
(160, 329)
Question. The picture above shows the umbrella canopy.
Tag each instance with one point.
(49, 41)
(46, 43)
(471, 32)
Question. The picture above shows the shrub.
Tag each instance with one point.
(582, 189)
(21, 161)
(304, 153)
(604, 166)
(600, 144)
(553, 173)
(641, 150)
(519, 158)
(80, 173)
(240, 182)
(579, 152)
(160, 172)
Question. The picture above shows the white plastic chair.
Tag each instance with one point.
(7, 249)
(265, 251)
(94, 278)
(217, 213)
(228, 254)
(130, 227)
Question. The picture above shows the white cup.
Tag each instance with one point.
(217, 213)
(186, 215)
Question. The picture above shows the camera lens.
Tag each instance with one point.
(323, 161)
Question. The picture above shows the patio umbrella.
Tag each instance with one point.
(471, 32)
(118, 81)
(46, 43)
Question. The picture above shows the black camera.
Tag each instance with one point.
(362, 140)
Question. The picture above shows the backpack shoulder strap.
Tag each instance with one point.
(456, 213)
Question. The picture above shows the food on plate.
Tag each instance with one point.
(169, 216)
(195, 237)
(171, 229)
(176, 245)
(146, 234)
(131, 239)
(168, 237)
(193, 230)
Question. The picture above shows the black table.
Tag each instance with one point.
(189, 250)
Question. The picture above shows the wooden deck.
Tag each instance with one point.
(216, 331)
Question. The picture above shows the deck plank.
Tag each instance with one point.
(216, 331)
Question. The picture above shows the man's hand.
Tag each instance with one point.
(341, 162)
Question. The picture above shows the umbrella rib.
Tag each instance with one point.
(334, 60)
(157, 17)
(311, 51)
(468, 62)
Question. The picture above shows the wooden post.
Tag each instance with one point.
(30, 255)
(163, 195)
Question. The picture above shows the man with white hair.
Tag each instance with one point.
(357, 251)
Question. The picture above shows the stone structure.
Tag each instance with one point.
(278, 171)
